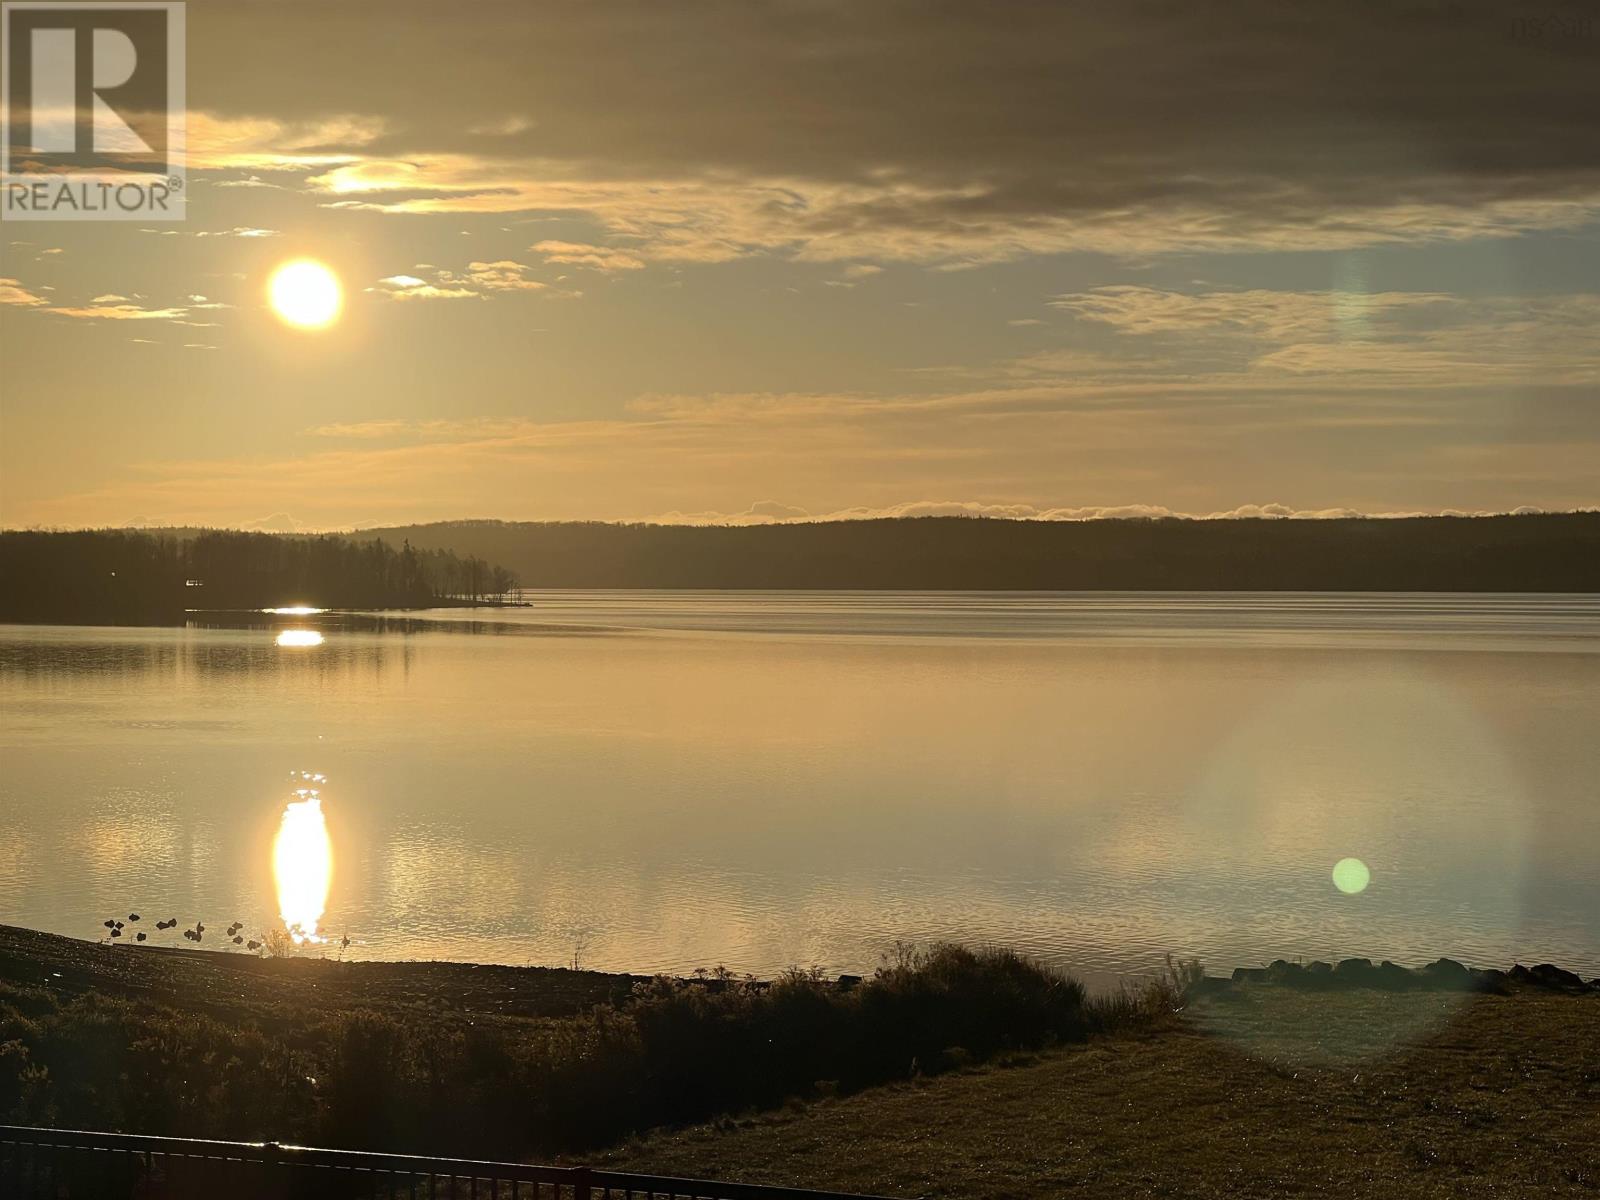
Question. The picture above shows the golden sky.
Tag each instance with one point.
(754, 260)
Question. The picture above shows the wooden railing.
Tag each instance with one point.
(65, 1164)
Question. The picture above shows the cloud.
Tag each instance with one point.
(768, 512)
(120, 312)
(12, 292)
(221, 142)
(1280, 315)
(775, 510)
(959, 135)
(505, 127)
(502, 276)
(716, 220)
(278, 522)
(1337, 339)
(409, 287)
(107, 306)
(580, 254)
(238, 231)
(479, 279)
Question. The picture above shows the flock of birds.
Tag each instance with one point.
(233, 931)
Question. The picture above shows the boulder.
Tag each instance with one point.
(1551, 976)
(1319, 968)
(1394, 977)
(1354, 972)
(1282, 971)
(1447, 973)
(1250, 975)
(1491, 980)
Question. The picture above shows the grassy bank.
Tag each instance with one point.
(486, 1061)
(1259, 1091)
(951, 1073)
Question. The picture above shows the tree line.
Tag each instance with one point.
(117, 575)
(1539, 552)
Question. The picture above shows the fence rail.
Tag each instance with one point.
(68, 1164)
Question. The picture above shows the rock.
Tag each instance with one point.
(1250, 974)
(1290, 974)
(1319, 968)
(1394, 977)
(1447, 973)
(1551, 976)
(1491, 980)
(846, 982)
(1353, 972)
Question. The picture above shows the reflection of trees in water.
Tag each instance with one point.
(203, 657)
(219, 643)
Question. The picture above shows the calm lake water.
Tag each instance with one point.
(665, 781)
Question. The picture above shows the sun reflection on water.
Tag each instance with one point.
(302, 864)
(299, 637)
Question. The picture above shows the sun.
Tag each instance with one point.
(305, 294)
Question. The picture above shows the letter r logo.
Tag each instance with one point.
(92, 87)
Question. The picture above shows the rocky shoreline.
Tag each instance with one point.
(187, 976)
(1441, 975)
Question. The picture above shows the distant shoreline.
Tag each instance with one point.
(56, 951)
(1533, 553)
(114, 576)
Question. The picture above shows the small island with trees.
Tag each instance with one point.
(120, 576)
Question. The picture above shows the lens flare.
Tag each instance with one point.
(302, 865)
(1350, 876)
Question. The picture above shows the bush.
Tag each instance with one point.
(414, 1080)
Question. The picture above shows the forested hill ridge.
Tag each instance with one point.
(118, 576)
(1557, 552)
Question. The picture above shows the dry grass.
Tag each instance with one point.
(1267, 1093)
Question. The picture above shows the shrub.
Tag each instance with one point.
(425, 1080)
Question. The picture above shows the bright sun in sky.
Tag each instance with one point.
(305, 294)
